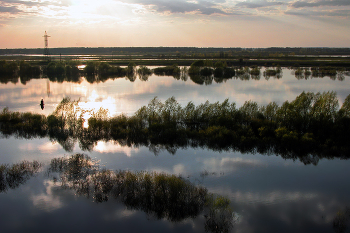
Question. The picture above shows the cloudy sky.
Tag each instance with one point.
(199, 23)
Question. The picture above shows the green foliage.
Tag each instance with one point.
(55, 122)
(243, 73)
(345, 108)
(276, 72)
(168, 70)
(199, 63)
(208, 63)
(104, 68)
(299, 111)
(70, 114)
(255, 71)
(290, 136)
(229, 72)
(59, 69)
(325, 107)
(131, 68)
(90, 68)
(8, 68)
(221, 64)
(324, 71)
(280, 132)
(311, 122)
(206, 71)
(220, 218)
(55, 69)
(25, 124)
(270, 111)
(26, 69)
(308, 138)
(194, 70)
(202, 67)
(267, 131)
(250, 110)
(143, 70)
(71, 70)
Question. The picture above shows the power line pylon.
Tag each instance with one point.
(46, 49)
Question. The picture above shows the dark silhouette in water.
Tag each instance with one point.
(42, 104)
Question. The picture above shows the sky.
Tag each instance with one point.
(178, 23)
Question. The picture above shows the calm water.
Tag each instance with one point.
(267, 193)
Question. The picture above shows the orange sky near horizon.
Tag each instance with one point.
(211, 23)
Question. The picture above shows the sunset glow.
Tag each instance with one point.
(213, 23)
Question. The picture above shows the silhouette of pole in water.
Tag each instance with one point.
(42, 104)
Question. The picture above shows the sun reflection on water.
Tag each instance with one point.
(114, 147)
(94, 104)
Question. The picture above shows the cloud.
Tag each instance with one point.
(258, 4)
(13, 9)
(22, 7)
(47, 201)
(114, 147)
(35, 3)
(183, 6)
(231, 164)
(10, 9)
(273, 197)
(323, 13)
(12, 2)
(48, 147)
(239, 163)
(301, 4)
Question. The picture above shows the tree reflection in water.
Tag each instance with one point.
(159, 195)
(17, 174)
(341, 220)
(309, 128)
(204, 73)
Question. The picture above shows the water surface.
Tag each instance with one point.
(267, 192)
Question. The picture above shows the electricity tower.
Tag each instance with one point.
(46, 49)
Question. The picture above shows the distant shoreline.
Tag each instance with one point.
(185, 56)
(234, 51)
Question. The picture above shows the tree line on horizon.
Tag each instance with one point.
(230, 51)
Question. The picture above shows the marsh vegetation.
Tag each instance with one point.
(312, 124)
(200, 72)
